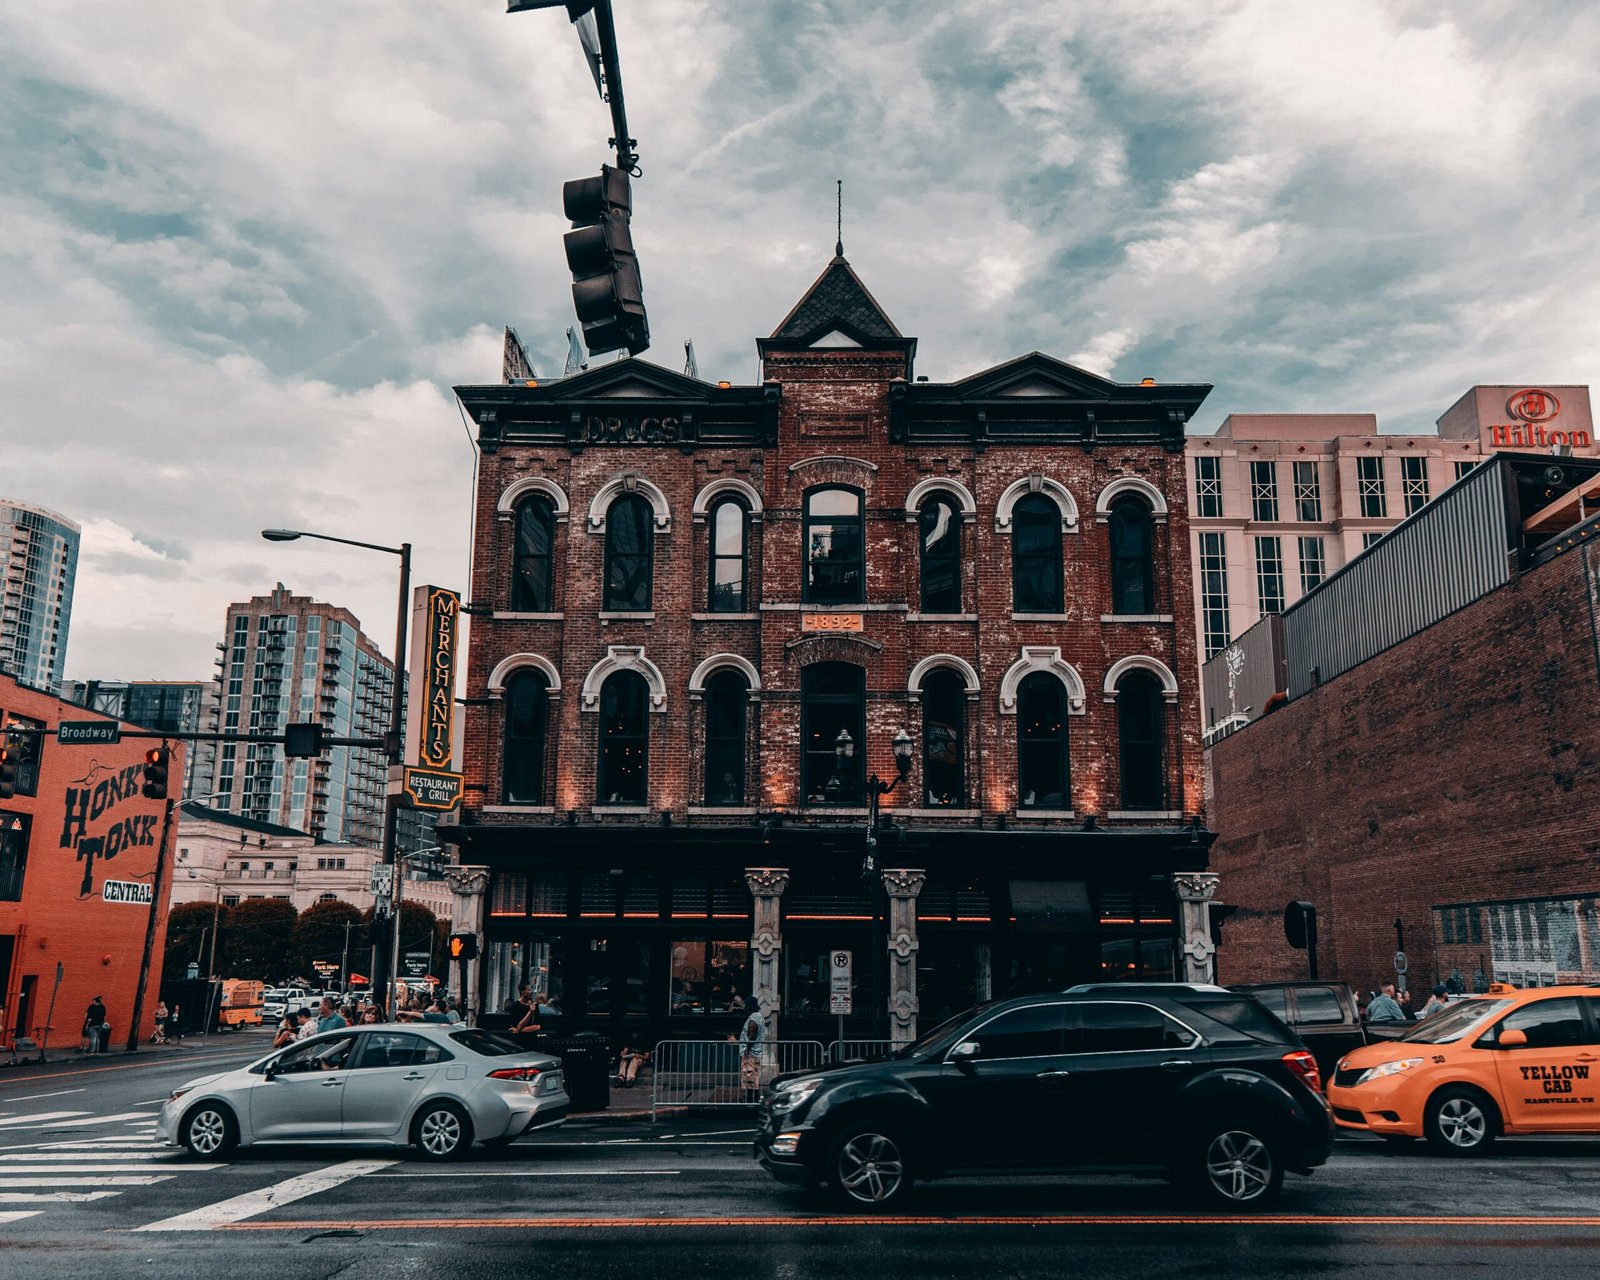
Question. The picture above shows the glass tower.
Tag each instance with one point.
(38, 563)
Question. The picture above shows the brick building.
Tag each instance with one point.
(85, 861)
(1434, 761)
(702, 614)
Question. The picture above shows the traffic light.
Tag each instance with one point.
(605, 271)
(463, 946)
(1300, 925)
(157, 761)
(11, 753)
(303, 740)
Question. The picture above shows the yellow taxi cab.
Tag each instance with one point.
(1507, 1062)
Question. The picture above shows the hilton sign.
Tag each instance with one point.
(1535, 427)
(1530, 419)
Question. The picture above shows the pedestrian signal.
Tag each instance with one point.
(463, 946)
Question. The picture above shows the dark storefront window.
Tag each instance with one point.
(617, 969)
(630, 547)
(531, 585)
(13, 854)
(1042, 743)
(727, 699)
(1136, 959)
(527, 702)
(729, 550)
(1141, 725)
(1036, 556)
(944, 714)
(834, 547)
(28, 744)
(1133, 579)
(624, 739)
(940, 526)
(832, 701)
(709, 977)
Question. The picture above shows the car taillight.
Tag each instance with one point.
(1305, 1066)
(517, 1073)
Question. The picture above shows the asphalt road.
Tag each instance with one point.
(85, 1192)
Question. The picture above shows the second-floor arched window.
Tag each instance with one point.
(834, 549)
(630, 550)
(533, 577)
(527, 703)
(1042, 765)
(944, 732)
(833, 702)
(939, 543)
(624, 773)
(727, 701)
(1036, 556)
(1133, 579)
(1141, 728)
(730, 556)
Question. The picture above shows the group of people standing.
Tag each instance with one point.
(333, 1016)
(1388, 1005)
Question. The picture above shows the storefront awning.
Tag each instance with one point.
(1051, 906)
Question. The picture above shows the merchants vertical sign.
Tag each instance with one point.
(431, 707)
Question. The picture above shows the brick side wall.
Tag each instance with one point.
(1456, 767)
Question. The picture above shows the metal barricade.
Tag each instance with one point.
(713, 1073)
(860, 1050)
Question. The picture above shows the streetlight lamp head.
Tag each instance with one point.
(280, 535)
(902, 751)
(844, 746)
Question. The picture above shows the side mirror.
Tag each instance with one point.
(1513, 1038)
(965, 1054)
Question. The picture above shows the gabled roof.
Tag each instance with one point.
(837, 300)
(630, 377)
(1037, 374)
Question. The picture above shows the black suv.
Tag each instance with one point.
(1197, 1084)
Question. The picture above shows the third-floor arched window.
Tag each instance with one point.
(527, 703)
(624, 772)
(727, 701)
(730, 556)
(1036, 556)
(630, 551)
(939, 526)
(944, 732)
(1133, 579)
(1141, 726)
(835, 559)
(533, 579)
(1042, 763)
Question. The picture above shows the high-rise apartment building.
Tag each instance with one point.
(38, 563)
(285, 658)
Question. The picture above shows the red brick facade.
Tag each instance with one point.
(1447, 782)
(86, 798)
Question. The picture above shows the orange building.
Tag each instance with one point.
(85, 869)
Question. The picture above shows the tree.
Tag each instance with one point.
(256, 943)
(189, 936)
(319, 934)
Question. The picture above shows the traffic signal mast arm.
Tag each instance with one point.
(611, 67)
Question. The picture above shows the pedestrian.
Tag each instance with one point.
(1384, 1007)
(308, 1028)
(328, 1017)
(159, 1036)
(628, 1063)
(287, 1032)
(1440, 999)
(524, 1013)
(175, 1022)
(752, 1046)
(370, 1017)
(452, 1012)
(94, 1025)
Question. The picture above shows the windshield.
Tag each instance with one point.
(1455, 1022)
(942, 1036)
(490, 1045)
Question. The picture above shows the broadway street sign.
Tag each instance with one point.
(86, 733)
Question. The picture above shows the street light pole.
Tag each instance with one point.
(381, 981)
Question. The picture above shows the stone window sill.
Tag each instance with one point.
(725, 617)
(607, 615)
(722, 810)
(821, 810)
(1145, 813)
(1043, 617)
(941, 617)
(1135, 617)
(941, 811)
(518, 808)
(621, 810)
(1044, 815)
(511, 616)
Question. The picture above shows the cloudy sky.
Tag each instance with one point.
(247, 249)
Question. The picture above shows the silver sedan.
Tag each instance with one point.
(438, 1088)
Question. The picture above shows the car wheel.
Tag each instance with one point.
(209, 1131)
(1460, 1121)
(441, 1131)
(1238, 1168)
(868, 1168)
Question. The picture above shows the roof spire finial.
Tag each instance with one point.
(838, 243)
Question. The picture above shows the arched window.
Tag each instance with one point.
(1133, 579)
(630, 547)
(1036, 556)
(532, 586)
(624, 773)
(944, 734)
(835, 568)
(1141, 727)
(328, 897)
(1042, 770)
(729, 559)
(940, 543)
(727, 700)
(527, 700)
(833, 701)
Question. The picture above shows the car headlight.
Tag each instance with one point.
(792, 1093)
(178, 1093)
(1388, 1069)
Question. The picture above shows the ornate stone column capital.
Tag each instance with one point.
(904, 882)
(767, 882)
(1195, 886)
(467, 882)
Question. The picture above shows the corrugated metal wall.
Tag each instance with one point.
(1240, 679)
(1455, 550)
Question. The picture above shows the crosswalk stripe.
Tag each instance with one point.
(142, 1180)
(44, 1115)
(238, 1208)
(89, 1120)
(54, 1197)
(16, 1215)
(45, 1157)
(40, 1170)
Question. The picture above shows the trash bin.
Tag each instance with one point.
(585, 1067)
(494, 1021)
